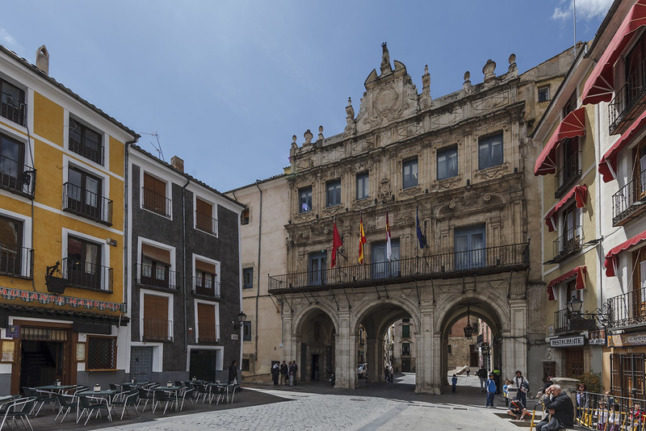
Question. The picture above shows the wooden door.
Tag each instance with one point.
(574, 362)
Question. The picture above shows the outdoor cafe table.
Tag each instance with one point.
(105, 393)
(55, 388)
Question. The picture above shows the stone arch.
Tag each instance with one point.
(304, 313)
(448, 305)
(362, 310)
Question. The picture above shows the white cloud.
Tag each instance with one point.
(8, 40)
(585, 9)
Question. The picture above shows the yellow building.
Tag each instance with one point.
(62, 239)
(567, 168)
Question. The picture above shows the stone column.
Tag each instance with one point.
(428, 359)
(289, 339)
(372, 358)
(345, 350)
(514, 346)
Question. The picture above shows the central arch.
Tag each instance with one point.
(315, 343)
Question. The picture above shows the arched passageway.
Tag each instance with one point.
(315, 339)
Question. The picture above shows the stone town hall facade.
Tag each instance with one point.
(463, 163)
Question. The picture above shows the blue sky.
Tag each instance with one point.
(227, 83)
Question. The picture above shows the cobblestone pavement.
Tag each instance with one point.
(312, 411)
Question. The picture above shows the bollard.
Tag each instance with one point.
(531, 424)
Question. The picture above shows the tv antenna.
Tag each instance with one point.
(157, 146)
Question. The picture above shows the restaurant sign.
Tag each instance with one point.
(59, 300)
(627, 340)
(567, 341)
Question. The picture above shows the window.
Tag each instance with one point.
(12, 102)
(333, 193)
(569, 166)
(639, 171)
(447, 163)
(11, 163)
(204, 219)
(544, 93)
(469, 247)
(11, 250)
(405, 331)
(206, 279)
(409, 173)
(82, 194)
(154, 192)
(627, 374)
(101, 353)
(363, 186)
(316, 268)
(245, 364)
(305, 200)
(83, 264)
(155, 322)
(206, 323)
(155, 267)
(570, 240)
(244, 216)
(381, 267)
(639, 284)
(570, 105)
(490, 151)
(405, 349)
(246, 330)
(247, 278)
(85, 141)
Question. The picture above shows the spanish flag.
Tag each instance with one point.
(362, 240)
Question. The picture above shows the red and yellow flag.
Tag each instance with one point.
(362, 240)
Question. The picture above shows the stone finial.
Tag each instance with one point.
(489, 70)
(349, 111)
(294, 144)
(308, 136)
(320, 137)
(42, 59)
(426, 81)
(467, 81)
(385, 60)
(512, 64)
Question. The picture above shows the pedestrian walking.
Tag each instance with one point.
(468, 371)
(454, 382)
(295, 373)
(292, 372)
(482, 375)
(233, 373)
(491, 390)
(523, 387)
(275, 372)
(283, 373)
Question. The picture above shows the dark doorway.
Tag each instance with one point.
(473, 355)
(203, 364)
(315, 368)
(303, 362)
(141, 364)
(405, 365)
(41, 363)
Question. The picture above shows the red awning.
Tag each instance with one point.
(578, 272)
(611, 258)
(600, 84)
(572, 125)
(608, 163)
(579, 193)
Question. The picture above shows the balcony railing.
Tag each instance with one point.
(148, 275)
(94, 154)
(87, 204)
(157, 329)
(156, 202)
(17, 177)
(565, 321)
(628, 309)
(206, 224)
(17, 263)
(12, 109)
(628, 201)
(87, 275)
(210, 289)
(567, 244)
(621, 107)
(489, 260)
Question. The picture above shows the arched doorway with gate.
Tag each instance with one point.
(315, 343)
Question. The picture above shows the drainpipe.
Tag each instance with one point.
(258, 270)
(126, 242)
(184, 264)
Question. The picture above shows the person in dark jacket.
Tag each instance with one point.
(275, 372)
(560, 409)
(482, 374)
(233, 372)
(284, 369)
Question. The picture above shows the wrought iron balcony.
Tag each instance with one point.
(156, 329)
(206, 287)
(567, 321)
(452, 264)
(624, 107)
(87, 204)
(156, 202)
(628, 309)
(17, 177)
(154, 275)
(17, 263)
(567, 244)
(629, 201)
(87, 275)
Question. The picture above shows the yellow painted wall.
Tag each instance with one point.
(52, 129)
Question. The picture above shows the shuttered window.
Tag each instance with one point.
(204, 216)
(206, 323)
(156, 322)
(154, 191)
(101, 353)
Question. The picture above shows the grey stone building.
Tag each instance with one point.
(461, 164)
(183, 267)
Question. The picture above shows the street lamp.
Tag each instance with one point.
(574, 306)
(241, 318)
(468, 330)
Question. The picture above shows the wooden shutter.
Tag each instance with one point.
(154, 194)
(206, 323)
(204, 215)
(156, 320)
(154, 253)
(205, 267)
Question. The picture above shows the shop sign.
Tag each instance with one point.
(567, 341)
(627, 340)
(13, 331)
(597, 341)
(234, 337)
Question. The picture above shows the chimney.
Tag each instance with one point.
(42, 59)
(177, 163)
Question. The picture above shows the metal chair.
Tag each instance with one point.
(19, 408)
(41, 398)
(183, 393)
(144, 394)
(67, 403)
(92, 405)
(125, 400)
(162, 396)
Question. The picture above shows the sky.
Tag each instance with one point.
(225, 84)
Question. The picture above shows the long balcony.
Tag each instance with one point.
(626, 105)
(628, 309)
(87, 204)
(87, 275)
(157, 329)
(17, 177)
(453, 264)
(566, 321)
(17, 263)
(629, 201)
(158, 276)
